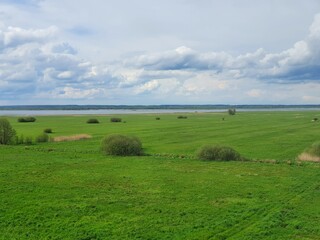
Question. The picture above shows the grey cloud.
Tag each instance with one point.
(65, 48)
(299, 63)
(181, 58)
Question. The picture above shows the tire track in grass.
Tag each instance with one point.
(269, 211)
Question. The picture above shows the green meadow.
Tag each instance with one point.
(70, 190)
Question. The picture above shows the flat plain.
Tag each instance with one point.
(70, 190)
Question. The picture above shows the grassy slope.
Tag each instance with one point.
(71, 191)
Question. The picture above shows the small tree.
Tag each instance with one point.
(7, 133)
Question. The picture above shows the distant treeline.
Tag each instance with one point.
(137, 107)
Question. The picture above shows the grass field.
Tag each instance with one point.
(69, 190)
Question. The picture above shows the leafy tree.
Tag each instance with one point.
(7, 133)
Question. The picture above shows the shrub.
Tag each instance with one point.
(157, 118)
(42, 138)
(121, 145)
(217, 153)
(47, 130)
(92, 120)
(26, 119)
(232, 111)
(115, 119)
(7, 133)
(182, 117)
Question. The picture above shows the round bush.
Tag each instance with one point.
(47, 130)
(217, 153)
(121, 145)
(115, 119)
(157, 118)
(42, 138)
(92, 120)
(27, 119)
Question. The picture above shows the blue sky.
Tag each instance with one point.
(159, 52)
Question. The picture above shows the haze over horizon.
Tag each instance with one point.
(164, 52)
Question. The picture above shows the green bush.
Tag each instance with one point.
(115, 119)
(182, 117)
(121, 145)
(26, 119)
(47, 130)
(232, 111)
(217, 153)
(157, 118)
(7, 133)
(42, 138)
(92, 120)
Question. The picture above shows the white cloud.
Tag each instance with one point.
(65, 75)
(147, 87)
(75, 93)
(14, 36)
(255, 93)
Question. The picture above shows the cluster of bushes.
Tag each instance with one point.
(182, 117)
(157, 118)
(92, 120)
(26, 119)
(115, 119)
(19, 140)
(8, 135)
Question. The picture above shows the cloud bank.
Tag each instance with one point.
(36, 67)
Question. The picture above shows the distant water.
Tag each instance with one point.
(97, 112)
(139, 111)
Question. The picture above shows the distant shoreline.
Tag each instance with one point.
(154, 107)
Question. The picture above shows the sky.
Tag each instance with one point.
(159, 52)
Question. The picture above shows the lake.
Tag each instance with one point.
(138, 111)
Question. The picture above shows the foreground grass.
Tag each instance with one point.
(69, 190)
